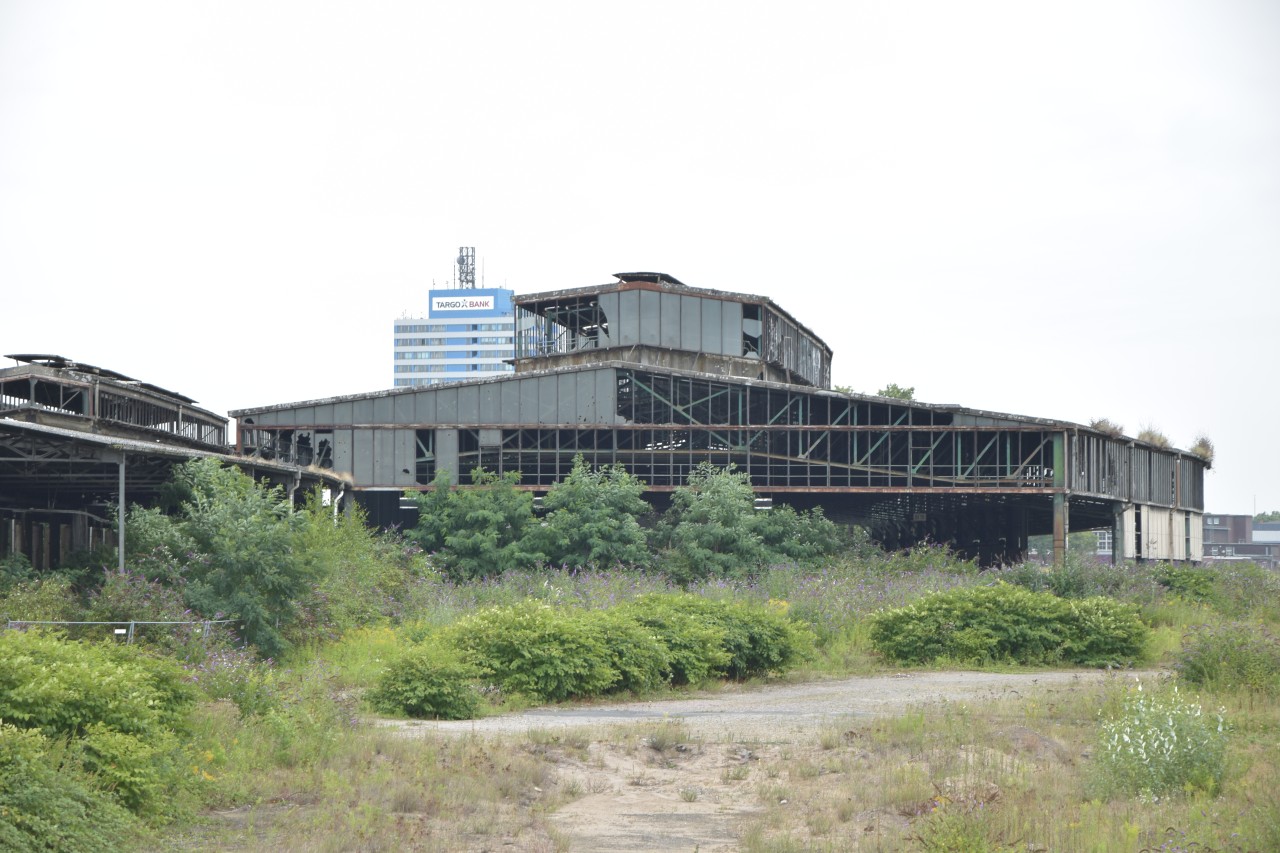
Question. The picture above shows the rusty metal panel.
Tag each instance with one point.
(628, 318)
(567, 397)
(447, 405)
(547, 409)
(691, 323)
(362, 455)
(342, 455)
(404, 472)
(447, 452)
(712, 336)
(609, 311)
(669, 322)
(731, 328)
(650, 318)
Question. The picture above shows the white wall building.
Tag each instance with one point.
(468, 333)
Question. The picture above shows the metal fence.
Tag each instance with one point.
(124, 630)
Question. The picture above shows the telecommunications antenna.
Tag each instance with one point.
(467, 267)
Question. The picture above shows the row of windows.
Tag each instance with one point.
(437, 355)
(414, 329)
(453, 368)
(457, 340)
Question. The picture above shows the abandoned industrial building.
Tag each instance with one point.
(657, 376)
(77, 441)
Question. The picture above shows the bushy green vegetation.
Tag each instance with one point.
(344, 621)
(428, 681)
(48, 801)
(122, 711)
(1233, 656)
(1161, 743)
(593, 519)
(552, 653)
(1006, 623)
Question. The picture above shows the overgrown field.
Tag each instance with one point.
(198, 737)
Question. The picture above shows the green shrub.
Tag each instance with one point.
(239, 677)
(65, 687)
(1247, 591)
(50, 599)
(48, 803)
(757, 638)
(428, 682)
(537, 650)
(1101, 631)
(1159, 744)
(1188, 582)
(641, 659)
(1235, 656)
(696, 649)
(139, 772)
(1008, 623)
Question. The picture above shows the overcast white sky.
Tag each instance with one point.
(1067, 210)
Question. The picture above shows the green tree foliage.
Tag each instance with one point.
(477, 531)
(592, 518)
(1267, 517)
(709, 528)
(360, 573)
(898, 392)
(797, 536)
(252, 568)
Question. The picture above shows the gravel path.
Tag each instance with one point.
(781, 713)
(635, 803)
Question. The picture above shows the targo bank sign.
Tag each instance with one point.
(461, 303)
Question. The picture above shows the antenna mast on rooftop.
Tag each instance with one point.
(467, 267)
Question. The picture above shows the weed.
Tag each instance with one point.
(1160, 744)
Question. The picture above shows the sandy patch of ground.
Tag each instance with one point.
(691, 785)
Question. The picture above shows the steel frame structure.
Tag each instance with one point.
(621, 375)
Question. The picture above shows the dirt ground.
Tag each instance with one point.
(668, 775)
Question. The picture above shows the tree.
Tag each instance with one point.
(709, 527)
(791, 535)
(478, 531)
(1267, 517)
(592, 518)
(897, 392)
(252, 570)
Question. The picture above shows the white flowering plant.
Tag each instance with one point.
(1159, 744)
